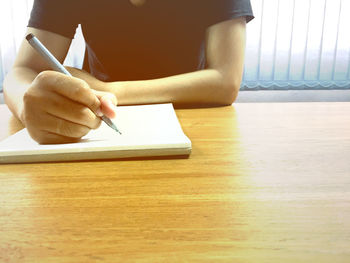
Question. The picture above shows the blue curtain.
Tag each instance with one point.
(298, 44)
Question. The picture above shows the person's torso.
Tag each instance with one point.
(157, 39)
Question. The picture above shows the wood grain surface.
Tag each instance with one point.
(264, 183)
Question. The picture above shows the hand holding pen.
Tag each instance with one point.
(59, 108)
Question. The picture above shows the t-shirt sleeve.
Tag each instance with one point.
(229, 9)
(55, 16)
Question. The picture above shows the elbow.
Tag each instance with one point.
(230, 91)
(229, 84)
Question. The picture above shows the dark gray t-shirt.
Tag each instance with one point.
(124, 42)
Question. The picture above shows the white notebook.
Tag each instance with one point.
(147, 130)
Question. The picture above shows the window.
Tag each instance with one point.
(298, 44)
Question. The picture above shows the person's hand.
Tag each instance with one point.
(61, 109)
(108, 104)
(100, 88)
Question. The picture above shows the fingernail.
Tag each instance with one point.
(111, 105)
(99, 112)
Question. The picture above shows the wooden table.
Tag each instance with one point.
(264, 183)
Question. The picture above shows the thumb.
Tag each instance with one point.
(108, 103)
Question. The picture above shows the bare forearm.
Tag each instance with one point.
(15, 85)
(196, 88)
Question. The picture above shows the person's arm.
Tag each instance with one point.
(218, 84)
(55, 108)
(28, 64)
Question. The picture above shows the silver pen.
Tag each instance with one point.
(56, 65)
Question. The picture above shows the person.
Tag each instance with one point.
(187, 52)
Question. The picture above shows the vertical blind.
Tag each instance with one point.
(298, 44)
(291, 44)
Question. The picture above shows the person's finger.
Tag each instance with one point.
(107, 107)
(108, 103)
(53, 125)
(52, 138)
(70, 87)
(69, 110)
(66, 128)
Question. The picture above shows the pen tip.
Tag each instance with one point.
(110, 124)
(115, 128)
